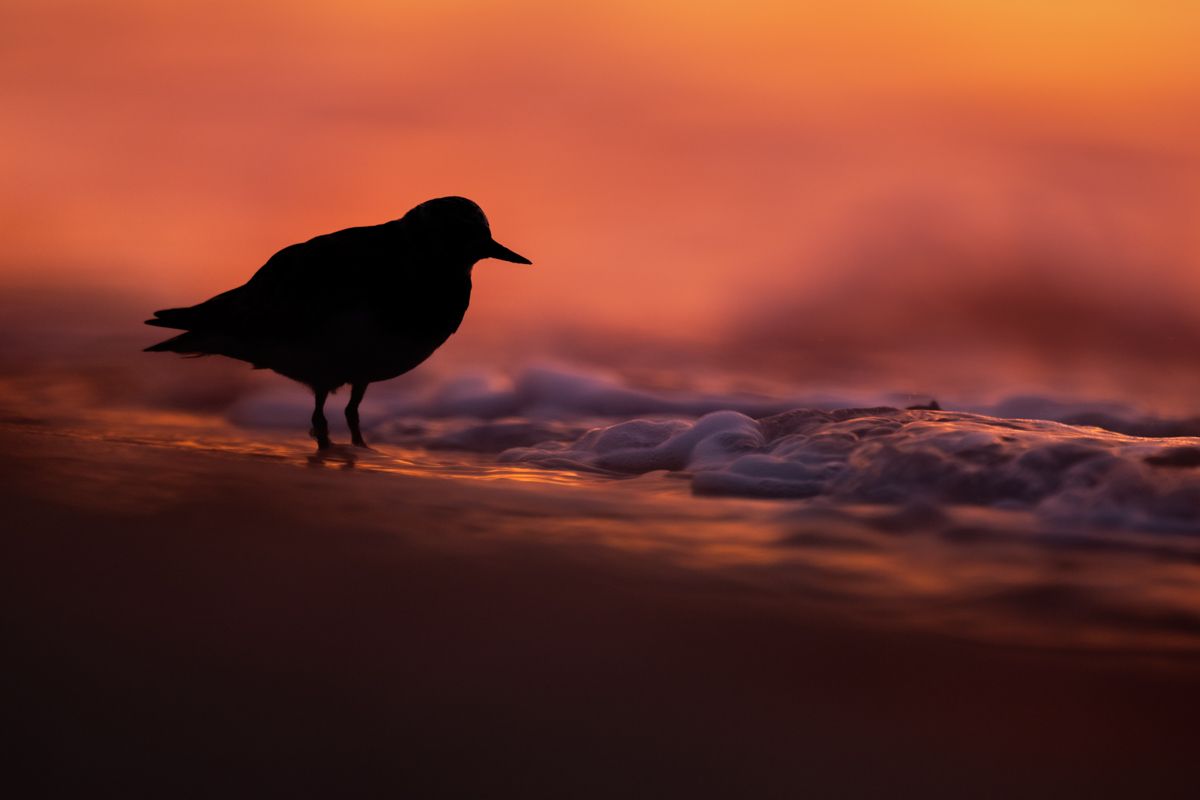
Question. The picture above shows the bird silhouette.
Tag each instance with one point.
(352, 307)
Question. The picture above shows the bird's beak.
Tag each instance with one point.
(497, 250)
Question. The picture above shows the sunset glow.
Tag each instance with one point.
(842, 438)
(716, 154)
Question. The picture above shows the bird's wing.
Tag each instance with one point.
(303, 284)
(296, 289)
(216, 313)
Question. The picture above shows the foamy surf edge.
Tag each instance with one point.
(1065, 474)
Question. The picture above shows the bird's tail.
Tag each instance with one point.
(182, 318)
(188, 344)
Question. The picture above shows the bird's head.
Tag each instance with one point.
(456, 228)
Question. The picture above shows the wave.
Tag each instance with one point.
(1066, 474)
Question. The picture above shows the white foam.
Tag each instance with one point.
(737, 444)
(1064, 473)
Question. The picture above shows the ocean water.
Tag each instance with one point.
(1026, 520)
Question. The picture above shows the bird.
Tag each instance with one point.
(353, 307)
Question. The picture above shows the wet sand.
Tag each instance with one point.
(182, 622)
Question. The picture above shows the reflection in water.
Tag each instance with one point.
(417, 463)
(990, 573)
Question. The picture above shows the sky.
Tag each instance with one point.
(870, 179)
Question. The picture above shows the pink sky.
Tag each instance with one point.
(669, 168)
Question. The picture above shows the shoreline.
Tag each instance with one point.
(263, 628)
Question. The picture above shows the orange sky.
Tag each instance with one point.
(663, 163)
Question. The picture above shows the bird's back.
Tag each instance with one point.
(295, 286)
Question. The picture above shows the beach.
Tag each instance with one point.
(189, 617)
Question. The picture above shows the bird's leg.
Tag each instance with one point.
(320, 428)
(357, 391)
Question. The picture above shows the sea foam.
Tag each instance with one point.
(1065, 473)
(1078, 463)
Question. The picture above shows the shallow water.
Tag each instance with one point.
(1030, 532)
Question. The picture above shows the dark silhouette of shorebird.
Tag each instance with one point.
(353, 307)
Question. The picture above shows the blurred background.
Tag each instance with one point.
(925, 196)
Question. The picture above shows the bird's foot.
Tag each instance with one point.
(338, 456)
(322, 437)
(358, 441)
